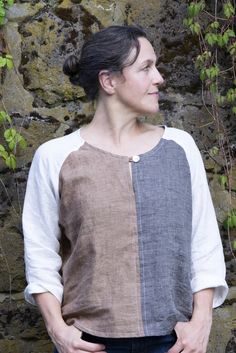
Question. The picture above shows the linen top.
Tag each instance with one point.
(122, 251)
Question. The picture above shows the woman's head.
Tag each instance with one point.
(108, 49)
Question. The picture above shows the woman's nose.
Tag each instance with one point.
(158, 79)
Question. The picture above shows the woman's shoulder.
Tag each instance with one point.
(181, 137)
(59, 146)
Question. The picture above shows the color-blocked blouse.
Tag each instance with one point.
(122, 252)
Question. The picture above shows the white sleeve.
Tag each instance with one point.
(208, 266)
(41, 230)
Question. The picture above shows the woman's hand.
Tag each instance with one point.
(67, 339)
(192, 337)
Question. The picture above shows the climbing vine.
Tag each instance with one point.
(216, 63)
(12, 138)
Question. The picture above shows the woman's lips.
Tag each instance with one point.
(154, 94)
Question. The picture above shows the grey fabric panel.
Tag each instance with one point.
(162, 184)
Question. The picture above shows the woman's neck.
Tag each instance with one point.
(113, 124)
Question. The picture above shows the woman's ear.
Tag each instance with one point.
(107, 81)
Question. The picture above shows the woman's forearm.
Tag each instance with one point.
(193, 336)
(202, 305)
(50, 309)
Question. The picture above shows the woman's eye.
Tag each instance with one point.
(146, 68)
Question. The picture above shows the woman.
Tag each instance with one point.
(128, 206)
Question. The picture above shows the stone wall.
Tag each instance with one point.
(40, 34)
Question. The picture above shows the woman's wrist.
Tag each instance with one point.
(202, 305)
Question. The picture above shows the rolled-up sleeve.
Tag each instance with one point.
(41, 230)
(208, 265)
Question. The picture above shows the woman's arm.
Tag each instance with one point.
(193, 336)
(67, 339)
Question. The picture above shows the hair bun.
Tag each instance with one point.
(71, 68)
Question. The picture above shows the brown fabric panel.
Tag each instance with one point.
(100, 244)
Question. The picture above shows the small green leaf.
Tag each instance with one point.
(187, 21)
(12, 145)
(3, 61)
(228, 9)
(214, 151)
(223, 180)
(231, 95)
(215, 25)
(195, 8)
(234, 110)
(2, 148)
(11, 161)
(211, 38)
(222, 40)
(10, 2)
(220, 99)
(9, 64)
(22, 143)
(195, 28)
(2, 12)
(232, 49)
(230, 33)
(2, 116)
(203, 74)
(213, 71)
(9, 134)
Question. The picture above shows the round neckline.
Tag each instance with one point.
(153, 149)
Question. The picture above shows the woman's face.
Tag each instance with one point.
(138, 87)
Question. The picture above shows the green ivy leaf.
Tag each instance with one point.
(195, 8)
(3, 61)
(234, 110)
(230, 33)
(11, 161)
(12, 145)
(213, 71)
(214, 151)
(211, 38)
(220, 99)
(3, 152)
(232, 49)
(195, 28)
(223, 180)
(22, 142)
(10, 2)
(231, 95)
(9, 134)
(228, 9)
(215, 25)
(2, 12)
(10, 64)
(2, 116)
(187, 21)
(203, 74)
(222, 40)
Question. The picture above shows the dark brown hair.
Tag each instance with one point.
(107, 49)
